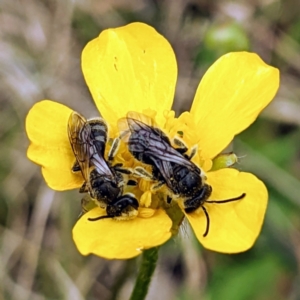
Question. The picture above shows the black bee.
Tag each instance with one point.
(170, 166)
(103, 181)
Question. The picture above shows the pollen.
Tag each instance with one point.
(146, 199)
(146, 212)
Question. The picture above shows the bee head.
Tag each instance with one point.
(123, 206)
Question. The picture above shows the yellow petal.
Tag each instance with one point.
(229, 98)
(130, 68)
(46, 127)
(114, 239)
(234, 226)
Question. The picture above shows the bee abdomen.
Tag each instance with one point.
(104, 188)
(99, 133)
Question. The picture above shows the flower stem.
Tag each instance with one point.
(146, 270)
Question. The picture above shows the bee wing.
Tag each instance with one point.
(142, 118)
(154, 143)
(100, 164)
(151, 142)
(79, 137)
(124, 129)
(165, 169)
(86, 147)
(98, 129)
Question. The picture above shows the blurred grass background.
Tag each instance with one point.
(40, 47)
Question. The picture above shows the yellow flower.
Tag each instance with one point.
(133, 68)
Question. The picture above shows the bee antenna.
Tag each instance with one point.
(207, 221)
(227, 200)
(99, 218)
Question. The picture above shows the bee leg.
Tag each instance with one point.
(119, 168)
(87, 203)
(76, 167)
(84, 188)
(118, 165)
(156, 186)
(180, 146)
(183, 149)
(169, 199)
(141, 172)
(193, 152)
(114, 149)
(132, 182)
